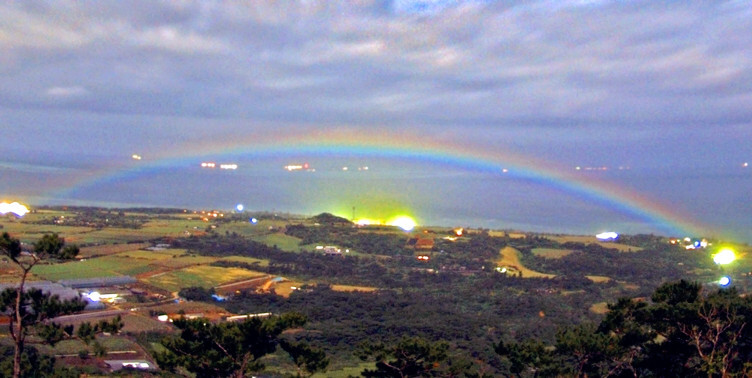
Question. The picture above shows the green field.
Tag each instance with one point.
(203, 276)
(153, 255)
(282, 241)
(551, 253)
(106, 266)
(247, 260)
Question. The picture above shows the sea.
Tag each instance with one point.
(720, 201)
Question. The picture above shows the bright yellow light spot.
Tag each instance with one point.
(404, 222)
(724, 256)
(15, 208)
(367, 222)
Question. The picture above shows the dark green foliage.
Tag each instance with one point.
(410, 357)
(681, 333)
(99, 349)
(11, 247)
(69, 252)
(224, 349)
(49, 244)
(37, 306)
(112, 326)
(675, 293)
(33, 363)
(196, 293)
(327, 218)
(52, 333)
(86, 332)
(308, 359)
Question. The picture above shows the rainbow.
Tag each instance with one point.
(412, 147)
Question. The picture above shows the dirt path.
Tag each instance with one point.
(509, 256)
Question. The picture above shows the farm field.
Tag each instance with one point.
(551, 253)
(106, 266)
(111, 249)
(247, 260)
(283, 242)
(202, 276)
(509, 256)
(592, 240)
(350, 288)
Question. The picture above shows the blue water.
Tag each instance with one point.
(432, 194)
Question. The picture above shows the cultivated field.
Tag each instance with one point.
(593, 240)
(202, 276)
(551, 253)
(509, 256)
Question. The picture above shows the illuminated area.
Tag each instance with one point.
(239, 207)
(253, 220)
(607, 236)
(724, 256)
(15, 208)
(136, 157)
(724, 281)
(298, 167)
(404, 222)
(95, 296)
(228, 166)
(367, 222)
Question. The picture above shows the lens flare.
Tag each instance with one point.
(15, 208)
(724, 256)
(724, 281)
(404, 222)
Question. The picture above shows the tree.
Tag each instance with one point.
(683, 332)
(307, 358)
(27, 308)
(226, 349)
(410, 357)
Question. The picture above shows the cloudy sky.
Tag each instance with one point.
(636, 83)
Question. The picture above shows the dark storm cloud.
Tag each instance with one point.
(603, 67)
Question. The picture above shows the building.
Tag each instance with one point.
(420, 244)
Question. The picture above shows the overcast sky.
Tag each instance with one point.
(636, 83)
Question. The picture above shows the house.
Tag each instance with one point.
(420, 244)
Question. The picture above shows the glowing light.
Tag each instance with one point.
(724, 281)
(724, 256)
(607, 236)
(745, 165)
(404, 222)
(254, 220)
(94, 296)
(163, 318)
(239, 207)
(367, 222)
(228, 166)
(15, 208)
(208, 165)
(136, 157)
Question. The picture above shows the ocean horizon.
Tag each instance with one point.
(432, 194)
